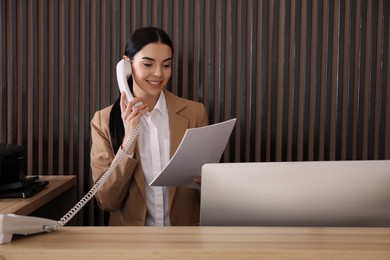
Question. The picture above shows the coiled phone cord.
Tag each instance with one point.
(95, 188)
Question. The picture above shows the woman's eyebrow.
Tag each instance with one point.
(151, 59)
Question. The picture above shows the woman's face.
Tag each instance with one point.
(152, 69)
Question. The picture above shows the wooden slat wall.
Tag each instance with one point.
(307, 80)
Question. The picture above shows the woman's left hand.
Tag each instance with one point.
(198, 180)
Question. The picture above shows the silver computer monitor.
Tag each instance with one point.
(331, 193)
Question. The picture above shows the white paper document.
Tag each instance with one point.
(199, 146)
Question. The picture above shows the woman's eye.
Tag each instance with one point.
(167, 65)
(147, 65)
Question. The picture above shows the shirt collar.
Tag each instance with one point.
(161, 104)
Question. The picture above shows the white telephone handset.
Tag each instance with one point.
(11, 224)
(123, 72)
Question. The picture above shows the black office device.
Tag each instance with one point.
(14, 182)
(13, 163)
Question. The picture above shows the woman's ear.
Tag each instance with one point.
(125, 57)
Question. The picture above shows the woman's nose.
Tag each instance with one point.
(158, 71)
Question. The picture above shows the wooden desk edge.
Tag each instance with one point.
(203, 243)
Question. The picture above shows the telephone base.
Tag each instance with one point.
(11, 224)
(5, 238)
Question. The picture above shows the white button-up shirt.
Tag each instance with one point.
(153, 144)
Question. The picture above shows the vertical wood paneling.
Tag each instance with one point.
(31, 76)
(307, 80)
(259, 80)
(301, 87)
(3, 70)
(378, 61)
(386, 81)
(345, 79)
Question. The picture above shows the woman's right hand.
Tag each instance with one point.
(131, 115)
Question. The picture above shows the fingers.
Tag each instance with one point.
(198, 180)
(132, 111)
(139, 111)
(122, 103)
(127, 108)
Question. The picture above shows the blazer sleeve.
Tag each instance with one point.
(114, 191)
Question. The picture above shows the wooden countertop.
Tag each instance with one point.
(57, 185)
(202, 243)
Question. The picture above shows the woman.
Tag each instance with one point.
(163, 118)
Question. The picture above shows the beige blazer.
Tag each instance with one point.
(123, 194)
